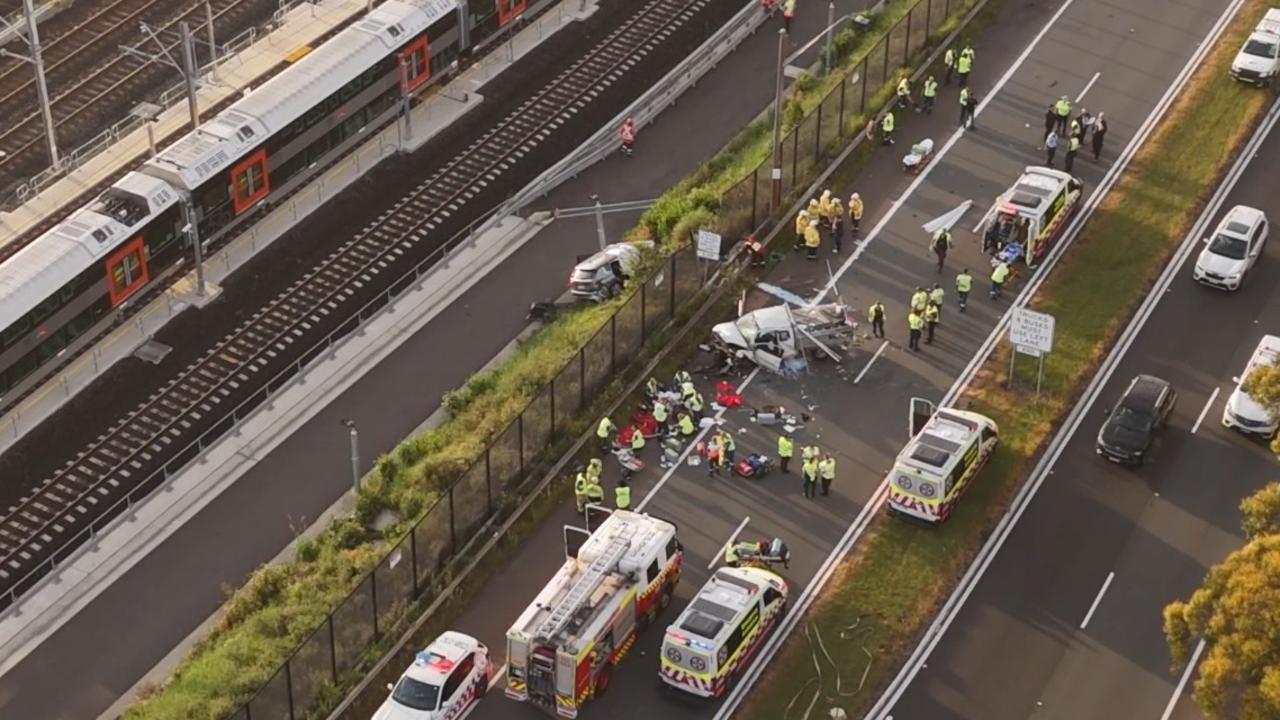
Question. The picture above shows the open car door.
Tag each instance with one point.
(921, 411)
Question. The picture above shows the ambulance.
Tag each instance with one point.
(939, 464)
(722, 629)
(1034, 213)
(615, 580)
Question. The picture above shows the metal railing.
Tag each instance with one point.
(226, 52)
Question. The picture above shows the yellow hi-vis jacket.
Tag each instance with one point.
(812, 238)
(605, 427)
(786, 448)
(686, 425)
(802, 222)
(914, 321)
(887, 124)
(622, 497)
(855, 208)
(827, 469)
(904, 87)
(964, 282)
(1000, 273)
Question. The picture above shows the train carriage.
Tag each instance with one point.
(267, 143)
(70, 278)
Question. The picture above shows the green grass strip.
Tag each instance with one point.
(888, 590)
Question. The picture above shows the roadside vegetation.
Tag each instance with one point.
(280, 605)
(887, 591)
(1235, 612)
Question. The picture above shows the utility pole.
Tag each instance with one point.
(189, 73)
(777, 123)
(828, 61)
(213, 45)
(37, 63)
(355, 452)
(599, 221)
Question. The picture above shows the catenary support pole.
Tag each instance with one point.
(189, 74)
(42, 89)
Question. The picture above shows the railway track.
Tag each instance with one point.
(133, 454)
(91, 83)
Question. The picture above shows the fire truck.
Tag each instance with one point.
(562, 649)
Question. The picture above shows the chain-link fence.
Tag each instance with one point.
(412, 568)
(825, 131)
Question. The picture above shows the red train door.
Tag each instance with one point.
(126, 271)
(415, 65)
(509, 10)
(249, 181)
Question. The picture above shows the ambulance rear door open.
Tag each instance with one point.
(919, 415)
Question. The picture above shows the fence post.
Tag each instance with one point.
(928, 20)
(552, 392)
(613, 344)
(453, 529)
(644, 332)
(817, 135)
(672, 283)
(488, 480)
(906, 46)
(373, 595)
(288, 687)
(333, 651)
(520, 445)
(413, 557)
(795, 156)
(840, 116)
(946, 8)
(755, 193)
(885, 76)
(862, 104)
(582, 373)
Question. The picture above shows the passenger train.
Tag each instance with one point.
(69, 280)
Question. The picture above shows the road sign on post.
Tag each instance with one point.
(1031, 333)
(708, 245)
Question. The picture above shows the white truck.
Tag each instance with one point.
(1259, 60)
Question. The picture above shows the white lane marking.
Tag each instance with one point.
(1182, 682)
(692, 444)
(951, 141)
(951, 608)
(716, 557)
(497, 676)
(1089, 615)
(1088, 85)
(867, 367)
(1205, 411)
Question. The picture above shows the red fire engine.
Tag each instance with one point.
(562, 649)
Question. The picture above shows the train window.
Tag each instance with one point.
(415, 65)
(126, 271)
(509, 10)
(249, 182)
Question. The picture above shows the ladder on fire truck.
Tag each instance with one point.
(581, 590)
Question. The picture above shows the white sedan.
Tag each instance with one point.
(1233, 248)
(444, 683)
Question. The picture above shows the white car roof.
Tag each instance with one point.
(434, 664)
(1242, 214)
(266, 110)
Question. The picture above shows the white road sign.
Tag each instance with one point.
(708, 245)
(1031, 329)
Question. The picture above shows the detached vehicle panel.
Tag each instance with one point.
(1131, 425)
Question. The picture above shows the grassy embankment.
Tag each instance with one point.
(889, 589)
(280, 605)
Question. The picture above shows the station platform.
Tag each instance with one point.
(431, 116)
(234, 74)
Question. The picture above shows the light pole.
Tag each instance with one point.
(37, 63)
(355, 452)
(776, 174)
(599, 221)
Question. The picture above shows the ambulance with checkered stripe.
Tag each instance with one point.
(720, 631)
(444, 682)
(940, 463)
(614, 582)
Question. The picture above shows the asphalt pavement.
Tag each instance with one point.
(1017, 649)
(1088, 52)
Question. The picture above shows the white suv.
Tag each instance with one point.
(1258, 61)
(1244, 413)
(1233, 248)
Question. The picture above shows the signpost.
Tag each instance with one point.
(708, 245)
(1031, 333)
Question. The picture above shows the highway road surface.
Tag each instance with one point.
(1066, 621)
(1088, 53)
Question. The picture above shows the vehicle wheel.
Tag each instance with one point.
(603, 678)
(664, 600)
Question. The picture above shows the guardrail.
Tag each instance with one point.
(226, 52)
